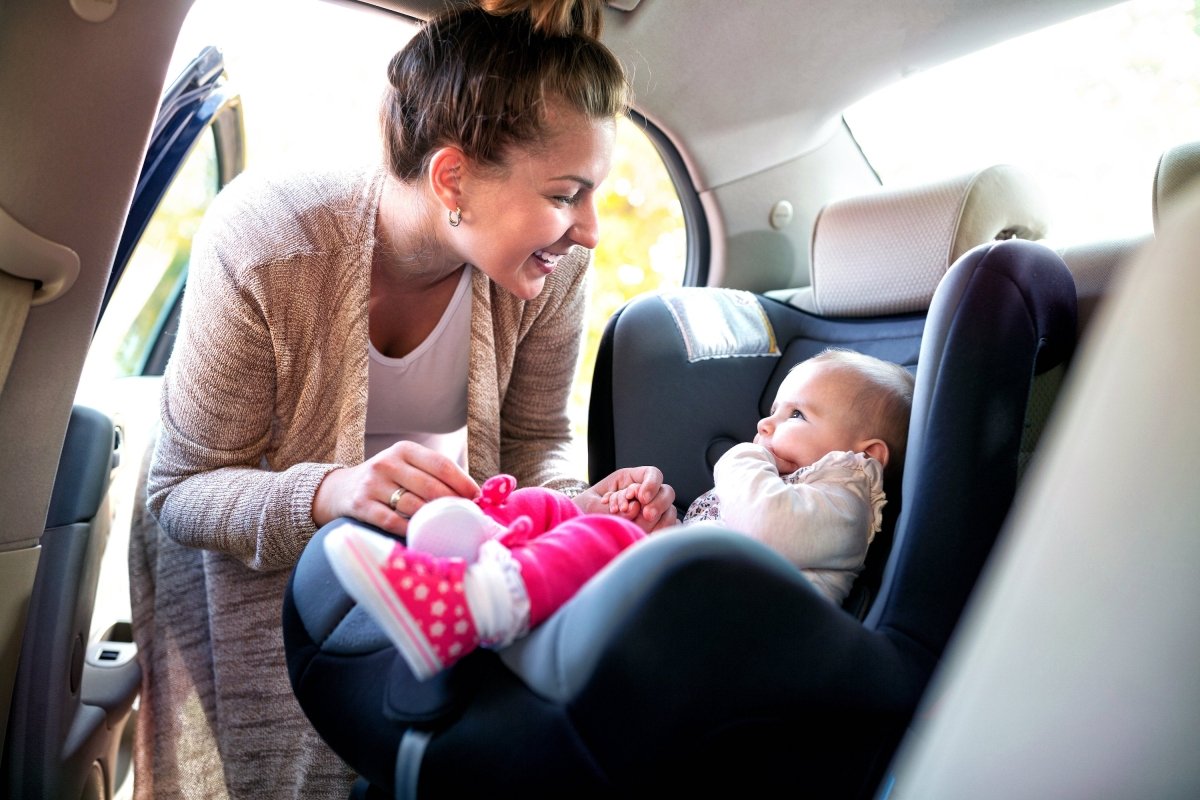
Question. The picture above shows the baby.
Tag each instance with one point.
(483, 572)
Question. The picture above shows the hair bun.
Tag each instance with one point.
(554, 17)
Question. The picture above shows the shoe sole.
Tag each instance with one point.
(356, 565)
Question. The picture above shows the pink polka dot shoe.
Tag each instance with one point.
(417, 599)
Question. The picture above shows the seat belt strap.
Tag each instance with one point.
(408, 762)
(16, 294)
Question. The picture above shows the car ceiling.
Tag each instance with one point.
(794, 74)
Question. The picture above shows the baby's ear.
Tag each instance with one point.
(876, 449)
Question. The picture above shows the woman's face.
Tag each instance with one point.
(517, 224)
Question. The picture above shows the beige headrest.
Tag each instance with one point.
(1176, 169)
(884, 253)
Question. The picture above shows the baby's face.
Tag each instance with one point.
(807, 419)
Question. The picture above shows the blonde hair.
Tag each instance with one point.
(882, 405)
(480, 78)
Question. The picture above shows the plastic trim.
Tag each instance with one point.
(24, 254)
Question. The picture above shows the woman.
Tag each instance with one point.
(360, 344)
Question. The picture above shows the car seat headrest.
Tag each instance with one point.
(1177, 168)
(885, 252)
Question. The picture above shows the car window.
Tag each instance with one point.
(643, 247)
(1086, 107)
(154, 277)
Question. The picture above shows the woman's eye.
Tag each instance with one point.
(566, 200)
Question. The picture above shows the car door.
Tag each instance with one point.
(77, 676)
(197, 147)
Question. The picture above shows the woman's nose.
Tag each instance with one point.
(586, 230)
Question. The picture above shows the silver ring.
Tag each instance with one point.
(395, 498)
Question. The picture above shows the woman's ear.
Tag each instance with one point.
(446, 168)
(876, 449)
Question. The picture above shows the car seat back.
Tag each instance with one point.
(683, 375)
(680, 401)
(877, 260)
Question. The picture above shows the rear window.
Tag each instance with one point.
(1087, 107)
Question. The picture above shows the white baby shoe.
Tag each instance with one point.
(451, 527)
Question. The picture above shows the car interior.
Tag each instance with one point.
(1002, 313)
(1022, 627)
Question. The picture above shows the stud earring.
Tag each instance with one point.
(456, 217)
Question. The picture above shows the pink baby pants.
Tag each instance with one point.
(558, 546)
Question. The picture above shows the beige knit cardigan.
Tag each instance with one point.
(265, 393)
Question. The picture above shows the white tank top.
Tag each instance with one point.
(422, 397)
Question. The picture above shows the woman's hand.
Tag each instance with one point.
(406, 474)
(636, 493)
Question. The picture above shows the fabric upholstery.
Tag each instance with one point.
(884, 253)
(727, 324)
(1094, 265)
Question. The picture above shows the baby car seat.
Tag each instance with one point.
(698, 659)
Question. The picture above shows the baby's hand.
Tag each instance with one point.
(624, 502)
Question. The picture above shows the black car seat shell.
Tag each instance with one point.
(701, 658)
(877, 260)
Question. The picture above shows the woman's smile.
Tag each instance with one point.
(547, 260)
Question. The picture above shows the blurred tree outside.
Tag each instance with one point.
(642, 248)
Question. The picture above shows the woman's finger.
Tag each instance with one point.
(427, 473)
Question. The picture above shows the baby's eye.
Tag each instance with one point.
(796, 414)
